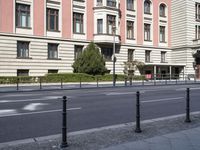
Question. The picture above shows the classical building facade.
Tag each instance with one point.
(46, 36)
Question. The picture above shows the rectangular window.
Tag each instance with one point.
(23, 16)
(99, 3)
(163, 57)
(130, 5)
(110, 24)
(52, 19)
(130, 29)
(130, 55)
(111, 3)
(99, 26)
(197, 32)
(78, 23)
(107, 53)
(52, 51)
(162, 33)
(77, 51)
(147, 31)
(52, 71)
(22, 49)
(147, 55)
(22, 72)
(197, 10)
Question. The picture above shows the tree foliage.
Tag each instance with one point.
(131, 66)
(90, 61)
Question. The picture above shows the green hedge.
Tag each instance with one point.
(65, 77)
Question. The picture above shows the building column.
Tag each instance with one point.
(170, 72)
(154, 72)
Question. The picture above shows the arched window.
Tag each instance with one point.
(147, 7)
(162, 10)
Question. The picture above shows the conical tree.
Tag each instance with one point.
(90, 61)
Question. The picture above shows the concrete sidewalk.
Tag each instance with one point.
(168, 133)
(183, 140)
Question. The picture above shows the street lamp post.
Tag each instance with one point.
(114, 59)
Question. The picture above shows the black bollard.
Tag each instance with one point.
(61, 83)
(138, 129)
(17, 84)
(131, 82)
(80, 83)
(40, 83)
(64, 123)
(97, 82)
(188, 106)
(125, 81)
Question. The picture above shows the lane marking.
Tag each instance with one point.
(29, 100)
(7, 111)
(184, 89)
(38, 112)
(34, 106)
(121, 93)
(161, 100)
(20, 95)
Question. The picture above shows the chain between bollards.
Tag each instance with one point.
(138, 129)
(188, 106)
(64, 124)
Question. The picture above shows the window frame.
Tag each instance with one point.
(78, 50)
(147, 56)
(19, 11)
(148, 9)
(111, 20)
(99, 26)
(162, 13)
(162, 33)
(130, 3)
(107, 53)
(130, 25)
(163, 56)
(23, 52)
(55, 14)
(78, 18)
(147, 29)
(51, 51)
(130, 55)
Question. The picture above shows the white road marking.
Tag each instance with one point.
(29, 100)
(37, 112)
(184, 89)
(20, 95)
(7, 111)
(121, 93)
(161, 100)
(33, 106)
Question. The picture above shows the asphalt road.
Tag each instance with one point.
(34, 114)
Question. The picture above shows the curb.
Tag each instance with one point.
(81, 132)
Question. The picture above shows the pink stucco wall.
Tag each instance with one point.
(90, 20)
(139, 22)
(155, 23)
(38, 22)
(6, 20)
(156, 31)
(67, 18)
(123, 22)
